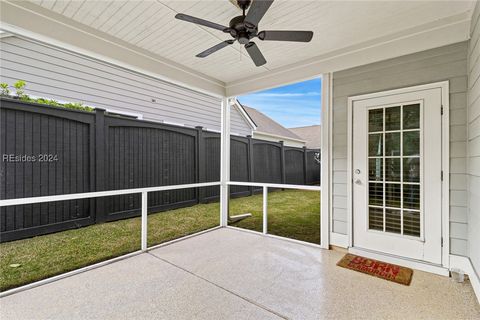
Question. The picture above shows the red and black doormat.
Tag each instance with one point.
(378, 269)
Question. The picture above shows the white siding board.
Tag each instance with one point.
(458, 181)
(339, 227)
(445, 63)
(459, 214)
(458, 133)
(458, 165)
(459, 246)
(85, 68)
(62, 75)
(458, 100)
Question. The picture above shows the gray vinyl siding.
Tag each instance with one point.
(63, 75)
(439, 64)
(239, 124)
(473, 161)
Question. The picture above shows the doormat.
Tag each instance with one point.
(377, 268)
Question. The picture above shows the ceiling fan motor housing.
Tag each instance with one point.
(245, 27)
(239, 30)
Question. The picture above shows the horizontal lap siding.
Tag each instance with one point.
(473, 144)
(439, 64)
(62, 75)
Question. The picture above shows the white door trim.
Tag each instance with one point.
(444, 86)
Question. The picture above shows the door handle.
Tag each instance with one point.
(358, 181)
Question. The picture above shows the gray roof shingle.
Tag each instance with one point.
(311, 134)
(268, 125)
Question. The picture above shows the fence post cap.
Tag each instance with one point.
(100, 110)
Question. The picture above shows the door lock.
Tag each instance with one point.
(357, 171)
(358, 181)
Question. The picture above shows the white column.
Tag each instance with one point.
(144, 220)
(225, 162)
(325, 168)
(265, 210)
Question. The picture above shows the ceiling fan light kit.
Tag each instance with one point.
(244, 28)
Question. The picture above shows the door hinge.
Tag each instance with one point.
(441, 175)
(441, 110)
(441, 242)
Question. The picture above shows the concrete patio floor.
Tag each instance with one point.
(231, 274)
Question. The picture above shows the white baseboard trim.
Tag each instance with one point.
(339, 240)
(414, 264)
(465, 264)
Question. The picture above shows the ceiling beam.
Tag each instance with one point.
(439, 33)
(26, 19)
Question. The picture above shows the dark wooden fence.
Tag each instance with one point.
(78, 151)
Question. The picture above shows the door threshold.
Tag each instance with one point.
(405, 262)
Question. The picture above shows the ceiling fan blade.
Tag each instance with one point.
(215, 48)
(298, 36)
(257, 10)
(185, 17)
(255, 54)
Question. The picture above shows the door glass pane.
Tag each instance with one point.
(411, 143)
(411, 223)
(411, 116)
(392, 118)
(375, 218)
(375, 120)
(375, 169)
(411, 169)
(393, 221)
(375, 194)
(392, 169)
(411, 196)
(392, 144)
(393, 195)
(375, 145)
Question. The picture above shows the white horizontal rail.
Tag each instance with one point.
(97, 194)
(275, 185)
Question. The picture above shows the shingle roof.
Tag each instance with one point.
(311, 134)
(268, 125)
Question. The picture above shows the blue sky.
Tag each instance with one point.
(295, 105)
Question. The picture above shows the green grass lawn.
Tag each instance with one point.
(293, 214)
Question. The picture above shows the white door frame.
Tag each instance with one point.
(444, 86)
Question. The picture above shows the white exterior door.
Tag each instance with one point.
(397, 182)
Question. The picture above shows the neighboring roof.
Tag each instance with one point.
(311, 134)
(266, 124)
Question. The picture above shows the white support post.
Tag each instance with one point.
(325, 164)
(225, 162)
(265, 210)
(144, 220)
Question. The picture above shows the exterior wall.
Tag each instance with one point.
(473, 161)
(62, 75)
(439, 64)
(239, 125)
(287, 142)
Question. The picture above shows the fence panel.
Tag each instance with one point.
(295, 166)
(52, 154)
(313, 167)
(97, 151)
(145, 154)
(212, 164)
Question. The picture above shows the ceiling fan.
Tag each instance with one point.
(245, 27)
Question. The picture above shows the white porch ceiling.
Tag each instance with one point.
(339, 27)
